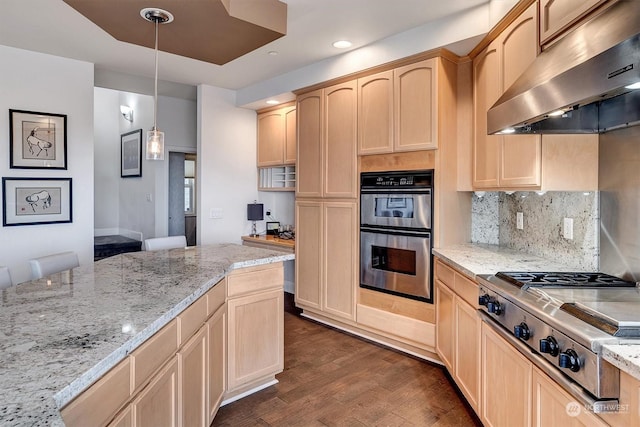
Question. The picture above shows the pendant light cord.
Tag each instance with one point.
(155, 96)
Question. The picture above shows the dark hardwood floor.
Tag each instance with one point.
(334, 379)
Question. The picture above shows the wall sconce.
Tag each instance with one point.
(255, 212)
(127, 113)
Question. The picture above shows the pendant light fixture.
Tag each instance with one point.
(155, 138)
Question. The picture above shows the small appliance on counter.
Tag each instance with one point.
(273, 228)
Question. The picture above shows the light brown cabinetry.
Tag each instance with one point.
(255, 322)
(179, 375)
(277, 136)
(558, 16)
(397, 109)
(504, 161)
(458, 330)
(327, 165)
(326, 270)
(506, 383)
(157, 403)
(192, 366)
(552, 406)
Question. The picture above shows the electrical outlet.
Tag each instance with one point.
(519, 220)
(567, 228)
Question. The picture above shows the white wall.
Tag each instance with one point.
(123, 206)
(226, 165)
(44, 83)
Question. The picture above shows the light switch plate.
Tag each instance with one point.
(215, 213)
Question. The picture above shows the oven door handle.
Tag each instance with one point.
(598, 406)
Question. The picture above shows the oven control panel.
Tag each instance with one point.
(568, 356)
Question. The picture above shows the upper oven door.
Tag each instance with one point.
(397, 210)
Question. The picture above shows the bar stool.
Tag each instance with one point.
(170, 242)
(5, 278)
(50, 264)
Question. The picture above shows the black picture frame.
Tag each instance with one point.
(37, 140)
(131, 154)
(34, 201)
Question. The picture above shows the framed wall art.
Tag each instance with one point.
(37, 140)
(131, 154)
(31, 201)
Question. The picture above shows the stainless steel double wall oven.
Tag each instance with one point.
(395, 233)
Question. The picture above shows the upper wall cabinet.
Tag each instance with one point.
(397, 109)
(558, 16)
(505, 161)
(277, 137)
(327, 126)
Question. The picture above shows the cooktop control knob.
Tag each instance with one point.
(484, 299)
(549, 345)
(522, 331)
(569, 360)
(494, 307)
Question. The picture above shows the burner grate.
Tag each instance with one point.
(563, 279)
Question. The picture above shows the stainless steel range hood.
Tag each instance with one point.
(584, 75)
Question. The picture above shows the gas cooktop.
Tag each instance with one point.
(526, 280)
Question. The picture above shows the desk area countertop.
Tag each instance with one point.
(60, 334)
(270, 241)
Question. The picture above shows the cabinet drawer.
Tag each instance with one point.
(216, 297)
(467, 290)
(97, 405)
(190, 320)
(154, 353)
(444, 273)
(250, 280)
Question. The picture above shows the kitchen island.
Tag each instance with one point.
(58, 335)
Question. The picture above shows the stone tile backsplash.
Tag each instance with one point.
(493, 220)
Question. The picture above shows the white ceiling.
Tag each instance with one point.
(52, 26)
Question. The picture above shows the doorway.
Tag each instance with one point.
(182, 196)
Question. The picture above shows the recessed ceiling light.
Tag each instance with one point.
(273, 102)
(342, 44)
(273, 52)
(636, 85)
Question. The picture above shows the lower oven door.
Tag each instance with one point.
(396, 262)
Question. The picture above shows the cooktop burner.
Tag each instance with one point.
(563, 279)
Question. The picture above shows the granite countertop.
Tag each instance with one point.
(474, 259)
(60, 334)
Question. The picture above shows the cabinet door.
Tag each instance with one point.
(340, 258)
(309, 244)
(216, 356)
(558, 15)
(521, 154)
(415, 106)
(309, 113)
(157, 403)
(271, 134)
(375, 113)
(290, 135)
(192, 367)
(255, 337)
(552, 406)
(486, 91)
(506, 383)
(445, 324)
(340, 159)
(467, 352)
(123, 419)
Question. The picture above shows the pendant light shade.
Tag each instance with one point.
(155, 138)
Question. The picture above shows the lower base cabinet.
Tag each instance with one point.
(192, 364)
(157, 404)
(217, 354)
